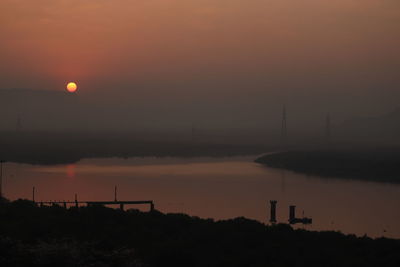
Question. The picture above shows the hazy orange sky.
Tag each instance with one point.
(341, 55)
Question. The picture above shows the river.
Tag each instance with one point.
(218, 188)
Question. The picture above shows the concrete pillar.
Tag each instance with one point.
(292, 214)
(273, 211)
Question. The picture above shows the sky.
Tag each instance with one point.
(225, 63)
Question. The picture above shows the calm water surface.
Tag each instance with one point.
(216, 188)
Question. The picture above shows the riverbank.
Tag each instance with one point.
(371, 164)
(98, 236)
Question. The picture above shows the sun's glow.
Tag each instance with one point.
(72, 87)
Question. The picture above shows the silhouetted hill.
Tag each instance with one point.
(98, 236)
(59, 148)
(375, 164)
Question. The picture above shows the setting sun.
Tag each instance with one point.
(72, 87)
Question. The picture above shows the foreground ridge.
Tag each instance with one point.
(100, 236)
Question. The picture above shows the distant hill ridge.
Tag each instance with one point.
(374, 128)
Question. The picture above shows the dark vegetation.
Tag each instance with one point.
(59, 148)
(99, 236)
(374, 164)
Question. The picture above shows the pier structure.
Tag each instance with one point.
(77, 203)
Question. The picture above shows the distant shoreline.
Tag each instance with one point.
(52, 149)
(378, 165)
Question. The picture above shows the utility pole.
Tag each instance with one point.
(76, 201)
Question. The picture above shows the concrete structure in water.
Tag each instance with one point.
(273, 211)
(294, 220)
(292, 214)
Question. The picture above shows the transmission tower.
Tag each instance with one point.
(328, 127)
(193, 133)
(283, 127)
(19, 123)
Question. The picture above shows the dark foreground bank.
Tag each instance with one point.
(378, 164)
(98, 236)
